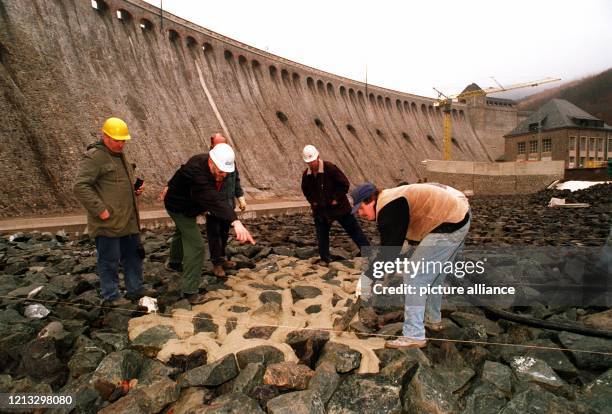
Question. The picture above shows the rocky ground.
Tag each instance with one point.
(261, 342)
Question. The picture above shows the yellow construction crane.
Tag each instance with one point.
(446, 102)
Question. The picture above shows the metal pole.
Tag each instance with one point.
(161, 16)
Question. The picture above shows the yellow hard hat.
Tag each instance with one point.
(116, 129)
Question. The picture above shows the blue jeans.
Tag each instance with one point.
(435, 247)
(111, 252)
(350, 225)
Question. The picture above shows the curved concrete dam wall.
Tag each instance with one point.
(65, 67)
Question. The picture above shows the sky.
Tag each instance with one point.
(412, 46)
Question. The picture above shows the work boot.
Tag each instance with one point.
(218, 270)
(403, 343)
(173, 267)
(229, 264)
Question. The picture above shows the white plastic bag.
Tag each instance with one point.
(36, 311)
(149, 303)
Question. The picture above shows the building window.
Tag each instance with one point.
(533, 146)
(591, 144)
(582, 161)
(609, 144)
(546, 145)
(572, 161)
(572, 143)
(521, 148)
(582, 143)
(600, 144)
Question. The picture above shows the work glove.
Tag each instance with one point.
(242, 203)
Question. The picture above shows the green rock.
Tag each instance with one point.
(151, 341)
(85, 395)
(475, 356)
(397, 369)
(557, 360)
(211, 375)
(428, 392)
(587, 360)
(27, 385)
(202, 322)
(135, 402)
(456, 378)
(153, 370)
(270, 296)
(191, 400)
(341, 356)
(366, 394)
(304, 292)
(265, 354)
(161, 393)
(535, 400)
(499, 375)
(598, 394)
(234, 403)
(307, 344)
(485, 399)
(465, 320)
(85, 360)
(114, 368)
(248, 378)
(111, 341)
(11, 316)
(535, 370)
(387, 355)
(325, 381)
(5, 383)
(300, 402)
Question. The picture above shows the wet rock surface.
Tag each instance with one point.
(276, 311)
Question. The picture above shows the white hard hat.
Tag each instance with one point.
(310, 153)
(223, 157)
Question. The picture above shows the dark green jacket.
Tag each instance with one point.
(105, 181)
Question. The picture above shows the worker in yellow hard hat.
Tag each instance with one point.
(114, 134)
(105, 185)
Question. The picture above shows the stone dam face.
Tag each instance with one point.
(66, 66)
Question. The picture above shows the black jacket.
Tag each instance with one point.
(321, 189)
(192, 191)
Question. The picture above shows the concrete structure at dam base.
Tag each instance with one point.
(484, 178)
